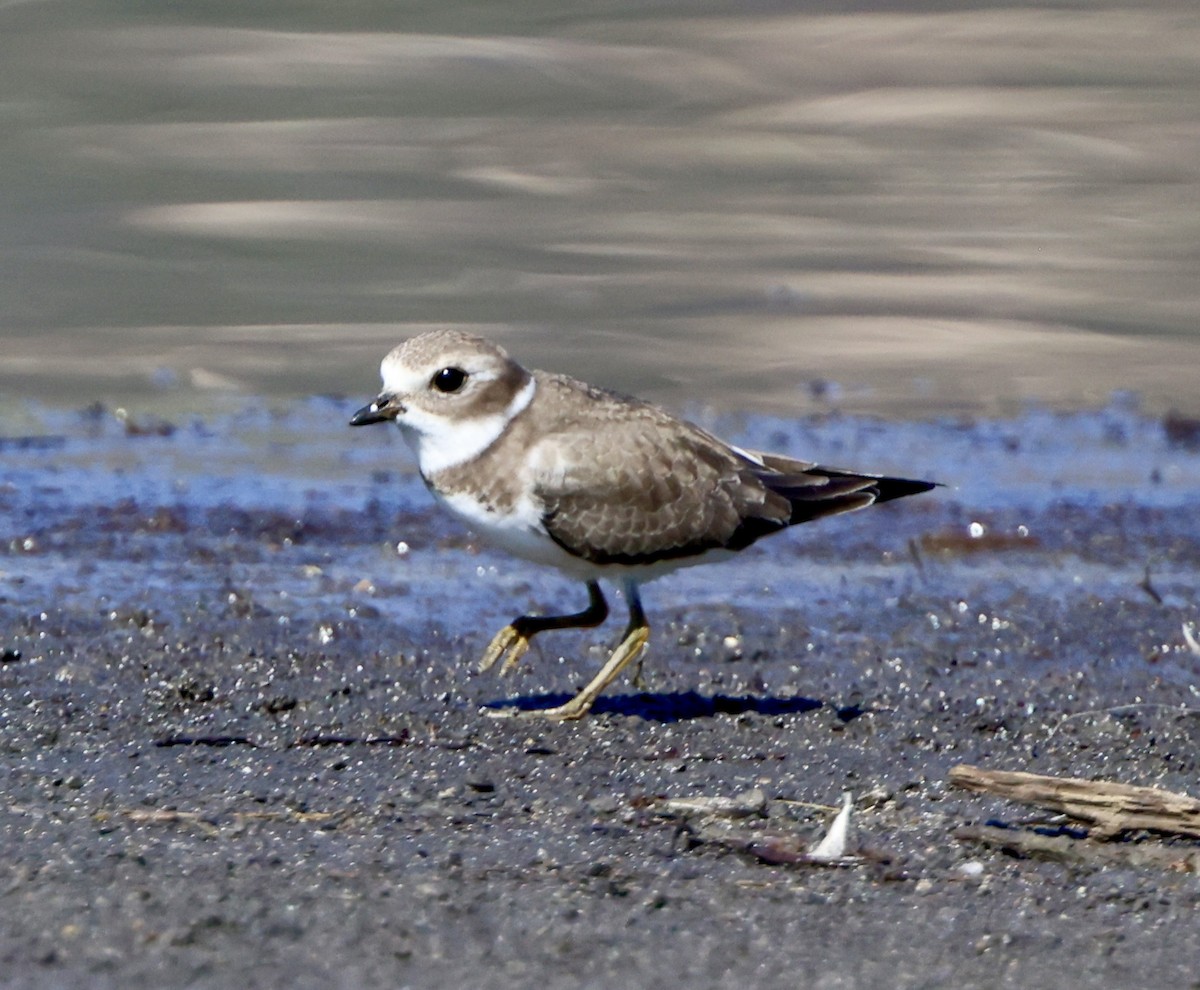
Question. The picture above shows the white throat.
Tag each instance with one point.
(444, 442)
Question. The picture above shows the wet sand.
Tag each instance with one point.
(242, 741)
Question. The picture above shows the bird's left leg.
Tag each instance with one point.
(512, 642)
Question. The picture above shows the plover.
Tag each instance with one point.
(600, 485)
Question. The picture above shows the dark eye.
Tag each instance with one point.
(449, 379)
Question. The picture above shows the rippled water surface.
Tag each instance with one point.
(934, 207)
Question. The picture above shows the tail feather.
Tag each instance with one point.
(800, 491)
(814, 491)
(885, 489)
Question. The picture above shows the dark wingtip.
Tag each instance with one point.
(890, 488)
(820, 491)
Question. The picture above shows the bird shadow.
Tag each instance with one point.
(678, 706)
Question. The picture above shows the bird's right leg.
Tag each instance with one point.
(512, 642)
(637, 633)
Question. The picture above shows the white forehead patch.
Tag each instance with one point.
(403, 379)
(399, 378)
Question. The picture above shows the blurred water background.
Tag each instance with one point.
(902, 208)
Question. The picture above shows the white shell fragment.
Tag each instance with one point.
(1189, 636)
(832, 848)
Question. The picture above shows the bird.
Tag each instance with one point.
(600, 485)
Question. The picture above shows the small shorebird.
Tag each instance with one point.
(597, 484)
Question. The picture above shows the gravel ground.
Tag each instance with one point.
(241, 740)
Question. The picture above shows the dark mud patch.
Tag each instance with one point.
(241, 739)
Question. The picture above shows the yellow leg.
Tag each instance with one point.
(630, 649)
(632, 644)
(512, 642)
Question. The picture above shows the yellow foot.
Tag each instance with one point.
(630, 649)
(561, 713)
(509, 644)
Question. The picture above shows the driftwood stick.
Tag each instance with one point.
(1107, 807)
(1063, 849)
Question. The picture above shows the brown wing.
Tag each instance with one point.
(644, 493)
(634, 485)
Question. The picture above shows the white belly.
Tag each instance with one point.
(521, 533)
